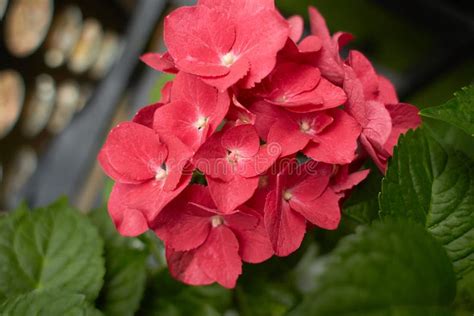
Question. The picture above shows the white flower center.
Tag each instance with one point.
(160, 174)
(217, 221)
(228, 59)
(201, 122)
(287, 195)
(305, 127)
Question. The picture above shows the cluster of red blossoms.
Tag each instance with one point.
(258, 138)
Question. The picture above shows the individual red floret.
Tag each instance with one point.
(226, 41)
(148, 170)
(373, 102)
(195, 111)
(232, 160)
(205, 245)
(302, 193)
(329, 60)
(299, 88)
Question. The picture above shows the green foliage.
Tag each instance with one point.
(47, 303)
(51, 248)
(125, 276)
(392, 268)
(362, 205)
(167, 297)
(458, 111)
(435, 188)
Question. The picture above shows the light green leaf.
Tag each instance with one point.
(459, 111)
(55, 247)
(388, 269)
(125, 261)
(429, 185)
(48, 303)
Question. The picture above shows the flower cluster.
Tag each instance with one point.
(259, 137)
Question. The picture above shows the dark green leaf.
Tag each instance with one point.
(55, 247)
(167, 297)
(459, 111)
(362, 204)
(434, 187)
(388, 269)
(48, 303)
(125, 261)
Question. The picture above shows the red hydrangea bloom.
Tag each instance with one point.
(205, 245)
(302, 193)
(148, 170)
(232, 160)
(250, 94)
(225, 41)
(373, 102)
(199, 107)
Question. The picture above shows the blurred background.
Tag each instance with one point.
(70, 70)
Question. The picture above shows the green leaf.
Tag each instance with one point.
(167, 297)
(124, 281)
(55, 247)
(362, 205)
(434, 187)
(48, 303)
(125, 260)
(459, 111)
(390, 268)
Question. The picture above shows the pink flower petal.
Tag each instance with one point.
(219, 257)
(286, 228)
(131, 206)
(261, 162)
(296, 23)
(345, 181)
(286, 134)
(182, 226)
(323, 211)
(387, 92)
(146, 114)
(337, 143)
(161, 62)
(184, 266)
(229, 195)
(266, 115)
(249, 228)
(196, 38)
(132, 153)
(365, 72)
(242, 139)
(178, 159)
(404, 117)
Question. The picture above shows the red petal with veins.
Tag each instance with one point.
(286, 228)
(161, 62)
(229, 195)
(219, 257)
(323, 211)
(337, 143)
(132, 153)
(184, 266)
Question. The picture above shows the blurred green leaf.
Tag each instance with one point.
(125, 261)
(433, 187)
(155, 94)
(390, 268)
(48, 303)
(51, 248)
(167, 297)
